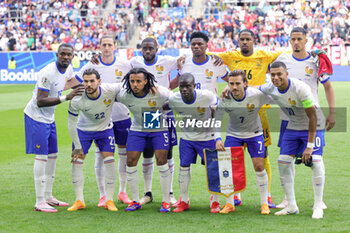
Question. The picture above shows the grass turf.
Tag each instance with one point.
(18, 195)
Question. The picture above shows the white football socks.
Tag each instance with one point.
(171, 164)
(164, 180)
(286, 178)
(318, 178)
(78, 179)
(230, 200)
(111, 176)
(100, 172)
(133, 181)
(147, 170)
(184, 182)
(262, 183)
(50, 174)
(39, 177)
(215, 197)
(122, 169)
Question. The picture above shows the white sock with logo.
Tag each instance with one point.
(39, 177)
(50, 175)
(133, 181)
(164, 179)
(147, 170)
(171, 165)
(318, 177)
(262, 183)
(184, 182)
(111, 177)
(100, 172)
(286, 178)
(122, 169)
(78, 179)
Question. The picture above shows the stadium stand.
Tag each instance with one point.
(40, 25)
(326, 22)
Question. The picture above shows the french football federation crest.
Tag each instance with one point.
(107, 101)
(118, 73)
(37, 146)
(200, 110)
(308, 71)
(209, 73)
(292, 102)
(160, 69)
(152, 103)
(250, 107)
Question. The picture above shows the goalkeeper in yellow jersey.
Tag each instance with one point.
(255, 63)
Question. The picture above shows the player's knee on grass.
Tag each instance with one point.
(161, 156)
(170, 153)
(258, 164)
(148, 153)
(132, 158)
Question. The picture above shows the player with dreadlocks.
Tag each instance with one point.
(146, 126)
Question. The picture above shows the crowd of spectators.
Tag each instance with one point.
(271, 23)
(41, 25)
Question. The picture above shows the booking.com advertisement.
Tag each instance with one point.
(29, 63)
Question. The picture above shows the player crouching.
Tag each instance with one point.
(94, 124)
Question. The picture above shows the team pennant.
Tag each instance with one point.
(225, 171)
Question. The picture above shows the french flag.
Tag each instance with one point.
(225, 170)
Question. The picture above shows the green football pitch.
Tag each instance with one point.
(17, 195)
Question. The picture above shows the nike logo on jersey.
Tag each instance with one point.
(87, 109)
(131, 105)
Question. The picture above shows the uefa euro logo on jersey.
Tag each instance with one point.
(152, 119)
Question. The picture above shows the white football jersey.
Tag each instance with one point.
(244, 118)
(198, 110)
(95, 114)
(291, 102)
(205, 74)
(111, 73)
(139, 106)
(307, 71)
(52, 80)
(161, 68)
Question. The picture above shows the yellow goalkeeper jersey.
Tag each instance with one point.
(255, 65)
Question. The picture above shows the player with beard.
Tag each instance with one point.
(112, 69)
(255, 63)
(93, 124)
(40, 127)
(160, 67)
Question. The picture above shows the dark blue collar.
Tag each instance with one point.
(99, 88)
(283, 92)
(199, 64)
(194, 99)
(106, 63)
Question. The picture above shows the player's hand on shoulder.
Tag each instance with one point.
(95, 59)
(79, 90)
(181, 62)
(77, 154)
(217, 60)
(225, 94)
(220, 145)
(154, 90)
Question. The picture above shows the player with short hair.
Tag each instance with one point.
(203, 68)
(40, 127)
(141, 102)
(244, 127)
(255, 63)
(93, 124)
(193, 105)
(296, 100)
(112, 70)
(301, 65)
(160, 67)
